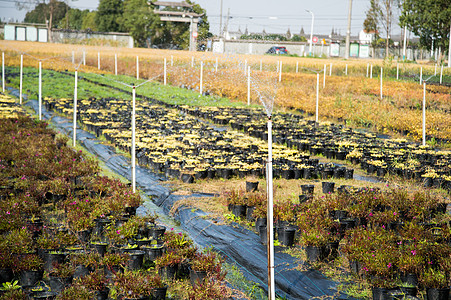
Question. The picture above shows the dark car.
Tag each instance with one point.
(277, 50)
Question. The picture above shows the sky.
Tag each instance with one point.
(257, 15)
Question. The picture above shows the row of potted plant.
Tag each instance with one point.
(185, 147)
(395, 239)
(77, 232)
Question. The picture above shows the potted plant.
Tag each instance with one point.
(97, 283)
(61, 276)
(133, 285)
(436, 283)
(75, 292)
(168, 264)
(204, 264)
(30, 268)
(12, 291)
(114, 263)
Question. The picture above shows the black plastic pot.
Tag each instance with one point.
(158, 232)
(239, 211)
(136, 259)
(286, 236)
(249, 213)
(57, 284)
(44, 295)
(315, 253)
(349, 174)
(159, 293)
(102, 295)
(99, 247)
(196, 277)
(307, 189)
(84, 235)
(168, 272)
(263, 235)
(6, 275)
(53, 258)
(153, 251)
(409, 291)
(260, 222)
(328, 187)
(30, 278)
(437, 294)
(251, 186)
(101, 224)
(187, 178)
(380, 293)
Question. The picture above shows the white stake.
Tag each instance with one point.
(201, 77)
(261, 65)
(280, 72)
(317, 97)
(21, 78)
(3, 71)
(297, 66)
(249, 85)
(115, 64)
(397, 71)
(40, 91)
(75, 110)
(270, 220)
(421, 75)
(137, 67)
(133, 141)
(424, 114)
(441, 74)
(172, 60)
(330, 74)
(324, 76)
(84, 58)
(216, 65)
(192, 62)
(73, 57)
(346, 71)
(381, 81)
(164, 72)
(98, 60)
(371, 71)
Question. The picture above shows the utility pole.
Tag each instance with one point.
(348, 31)
(449, 50)
(227, 21)
(220, 21)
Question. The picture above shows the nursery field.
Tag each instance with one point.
(350, 91)
(370, 212)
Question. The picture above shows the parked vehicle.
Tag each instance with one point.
(277, 50)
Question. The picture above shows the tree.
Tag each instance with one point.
(73, 19)
(370, 23)
(428, 19)
(109, 12)
(137, 19)
(89, 21)
(382, 14)
(51, 12)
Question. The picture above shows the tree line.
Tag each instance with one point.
(430, 20)
(135, 17)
